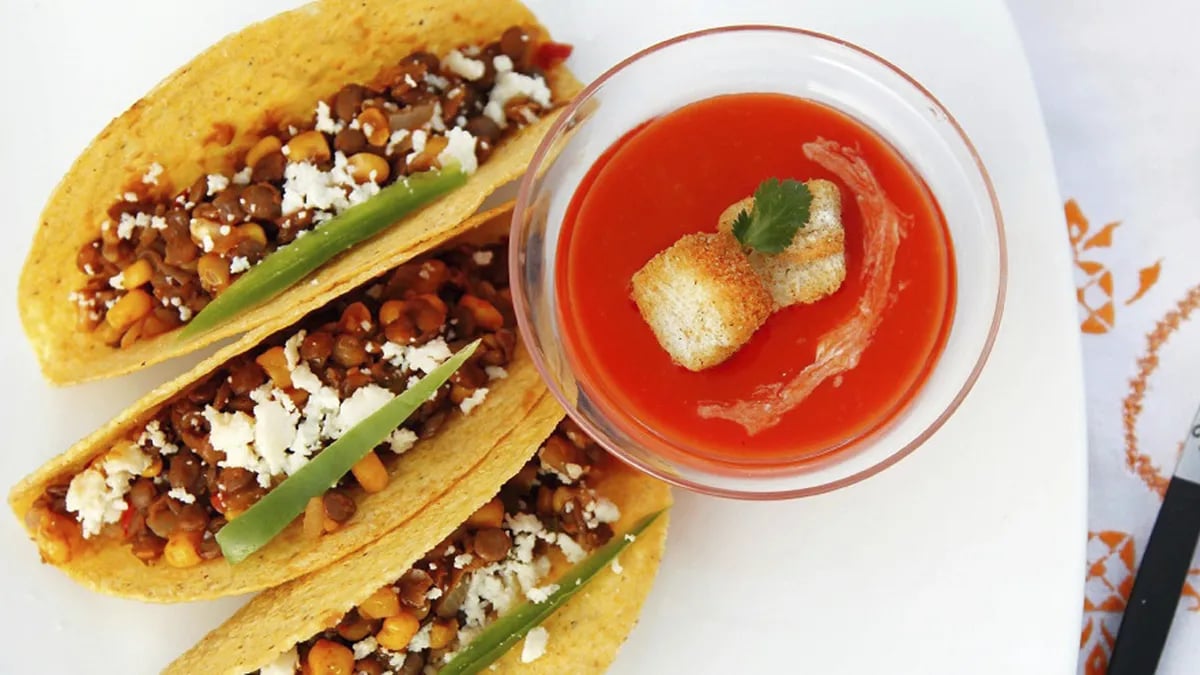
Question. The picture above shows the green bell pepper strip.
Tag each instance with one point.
(506, 631)
(289, 264)
(250, 531)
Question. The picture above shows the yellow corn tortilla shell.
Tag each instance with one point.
(109, 567)
(584, 634)
(274, 70)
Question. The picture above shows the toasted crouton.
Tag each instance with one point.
(701, 298)
(814, 265)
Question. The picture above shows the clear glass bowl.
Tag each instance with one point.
(801, 63)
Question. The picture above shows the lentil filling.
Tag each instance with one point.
(218, 447)
(160, 258)
(500, 557)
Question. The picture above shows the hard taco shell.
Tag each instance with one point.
(205, 115)
(423, 472)
(585, 634)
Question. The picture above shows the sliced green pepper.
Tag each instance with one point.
(250, 531)
(508, 630)
(289, 264)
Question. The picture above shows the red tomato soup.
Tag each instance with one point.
(673, 176)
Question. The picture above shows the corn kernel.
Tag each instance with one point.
(442, 632)
(182, 549)
(309, 146)
(213, 271)
(490, 514)
(381, 604)
(365, 166)
(137, 273)
(486, 316)
(390, 311)
(314, 518)
(129, 308)
(375, 125)
(265, 146)
(370, 473)
(330, 658)
(274, 362)
(397, 631)
(253, 231)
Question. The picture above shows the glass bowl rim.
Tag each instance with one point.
(522, 309)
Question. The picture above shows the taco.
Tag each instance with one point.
(456, 587)
(138, 508)
(342, 115)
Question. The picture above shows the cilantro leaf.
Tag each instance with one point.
(780, 210)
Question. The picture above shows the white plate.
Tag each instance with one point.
(966, 557)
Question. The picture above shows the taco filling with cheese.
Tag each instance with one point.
(573, 539)
(134, 511)
(200, 213)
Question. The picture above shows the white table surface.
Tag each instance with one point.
(966, 557)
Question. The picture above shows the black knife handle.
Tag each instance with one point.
(1159, 582)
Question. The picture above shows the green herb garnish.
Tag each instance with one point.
(780, 210)
(250, 531)
(508, 630)
(289, 264)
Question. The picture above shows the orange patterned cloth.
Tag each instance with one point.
(1121, 113)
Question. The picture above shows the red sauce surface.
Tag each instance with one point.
(673, 176)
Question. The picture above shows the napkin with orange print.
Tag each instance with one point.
(1117, 90)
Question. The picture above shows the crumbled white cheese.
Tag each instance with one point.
(600, 510)
(233, 434)
(420, 641)
(467, 68)
(216, 183)
(535, 644)
(152, 173)
(495, 113)
(117, 281)
(97, 494)
(502, 63)
(291, 349)
(158, 222)
(460, 149)
(130, 197)
(616, 566)
(285, 664)
(185, 314)
(363, 403)
(153, 436)
(325, 122)
(630, 537)
(540, 594)
(395, 139)
(574, 471)
(365, 647)
(482, 258)
(418, 145)
(433, 593)
(128, 222)
(402, 440)
(462, 560)
(182, 495)
(224, 230)
(436, 121)
(428, 356)
(239, 264)
(570, 548)
(473, 401)
(207, 243)
(327, 193)
(437, 81)
(274, 433)
(94, 502)
(244, 176)
(511, 84)
(495, 372)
